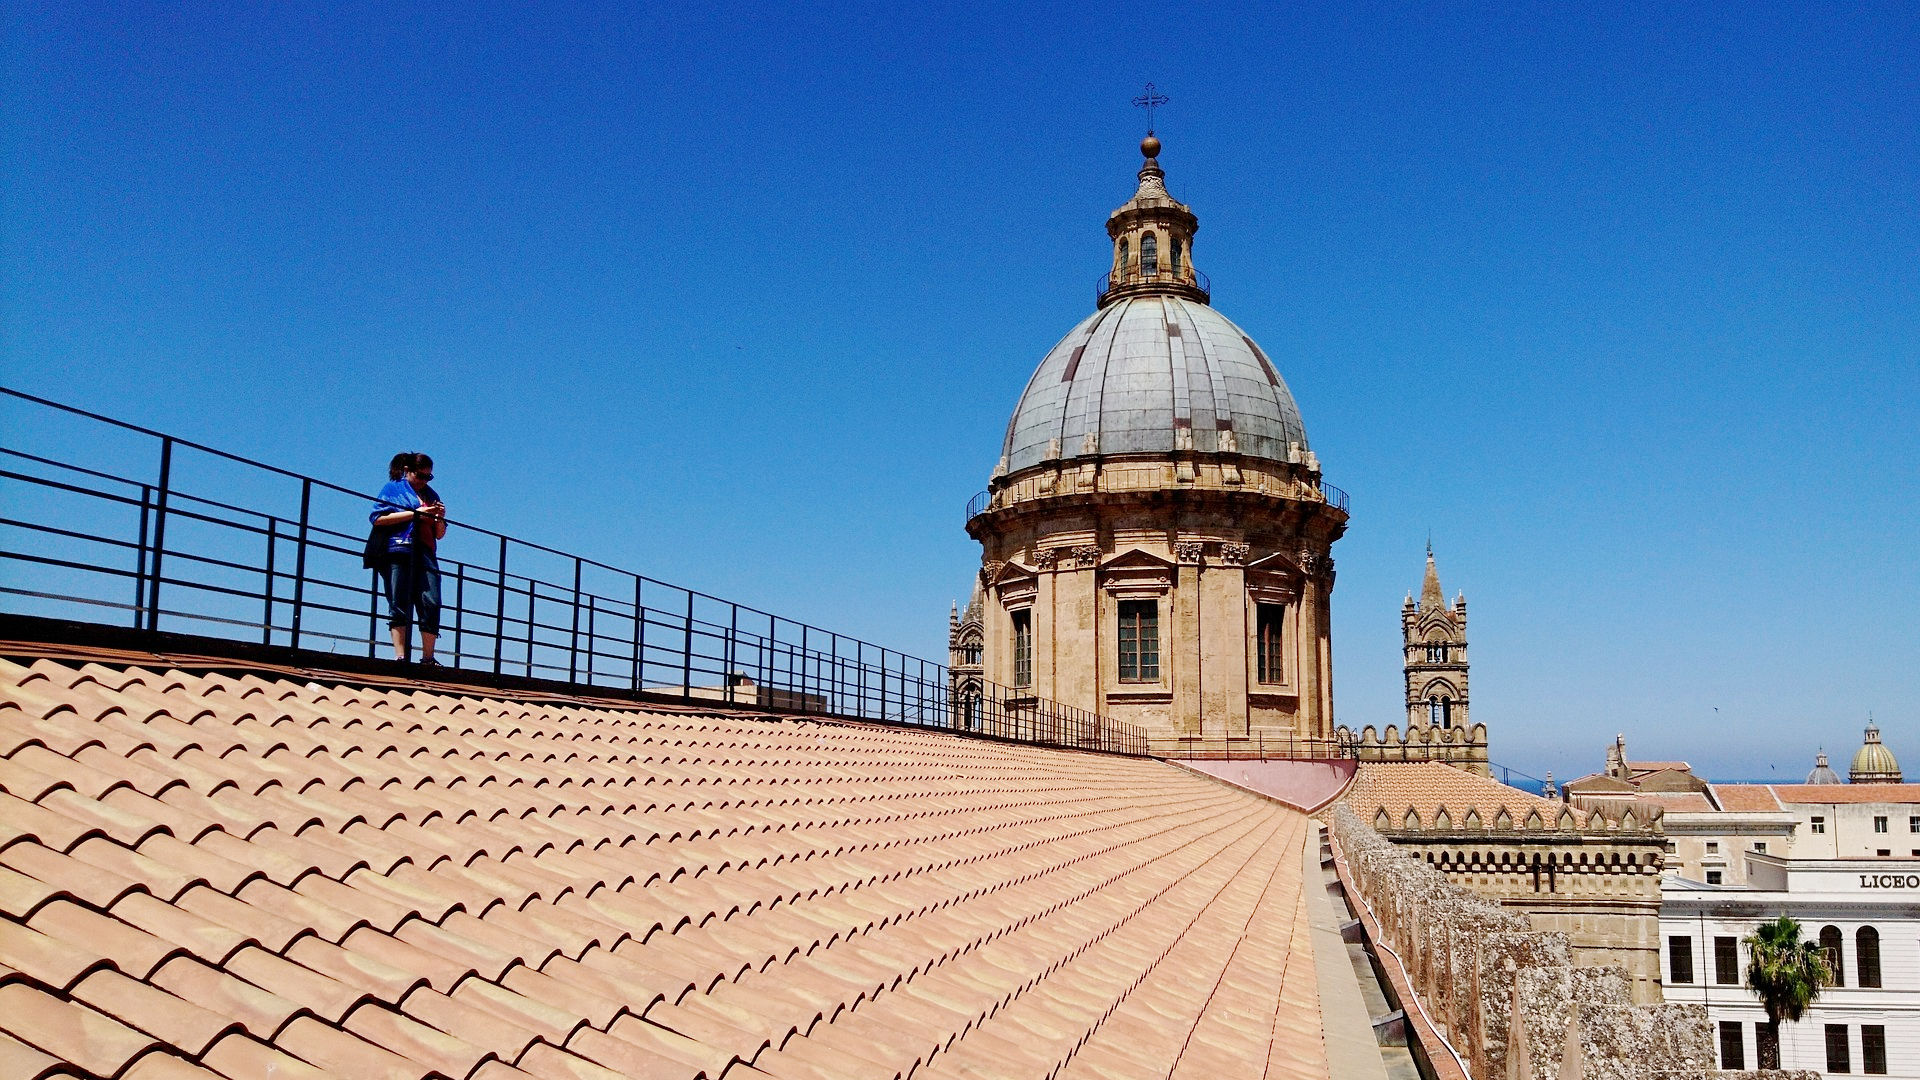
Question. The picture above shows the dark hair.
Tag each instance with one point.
(407, 461)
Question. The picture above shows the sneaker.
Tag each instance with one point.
(430, 662)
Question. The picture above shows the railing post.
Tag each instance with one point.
(373, 614)
(300, 562)
(639, 635)
(591, 631)
(730, 650)
(686, 654)
(266, 619)
(533, 590)
(140, 563)
(159, 531)
(500, 610)
(573, 641)
(459, 606)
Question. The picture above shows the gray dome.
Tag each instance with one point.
(1141, 369)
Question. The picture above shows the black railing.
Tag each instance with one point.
(216, 544)
(978, 504)
(1335, 497)
(1114, 280)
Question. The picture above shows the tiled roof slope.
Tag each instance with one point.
(254, 875)
(1426, 787)
(1746, 797)
(1847, 793)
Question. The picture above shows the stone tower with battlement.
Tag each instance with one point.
(1433, 636)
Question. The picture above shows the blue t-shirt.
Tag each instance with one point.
(396, 497)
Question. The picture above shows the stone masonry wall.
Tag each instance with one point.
(1508, 997)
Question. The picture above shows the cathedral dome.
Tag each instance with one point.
(1144, 375)
(1155, 370)
(1873, 763)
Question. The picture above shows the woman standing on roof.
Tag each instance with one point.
(416, 519)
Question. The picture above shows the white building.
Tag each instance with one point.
(1864, 911)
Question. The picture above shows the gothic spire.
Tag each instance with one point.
(1431, 597)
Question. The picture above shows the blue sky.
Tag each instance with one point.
(1623, 307)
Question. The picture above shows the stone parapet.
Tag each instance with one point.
(1509, 998)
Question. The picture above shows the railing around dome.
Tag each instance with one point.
(1119, 279)
(108, 523)
(978, 504)
(1335, 497)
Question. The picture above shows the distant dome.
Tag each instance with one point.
(1138, 374)
(1822, 772)
(1873, 763)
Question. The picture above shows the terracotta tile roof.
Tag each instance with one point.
(1658, 766)
(1746, 797)
(1686, 802)
(1847, 793)
(266, 874)
(1427, 786)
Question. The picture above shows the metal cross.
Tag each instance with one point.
(1149, 101)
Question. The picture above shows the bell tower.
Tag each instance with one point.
(1435, 639)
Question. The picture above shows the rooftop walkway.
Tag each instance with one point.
(227, 869)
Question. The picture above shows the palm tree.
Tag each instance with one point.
(1786, 974)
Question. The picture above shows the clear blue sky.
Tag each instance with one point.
(1622, 306)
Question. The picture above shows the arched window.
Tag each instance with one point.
(1866, 956)
(1149, 254)
(1174, 256)
(1440, 712)
(1123, 254)
(1830, 946)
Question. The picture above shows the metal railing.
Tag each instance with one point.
(1188, 277)
(1259, 745)
(978, 504)
(213, 543)
(1335, 497)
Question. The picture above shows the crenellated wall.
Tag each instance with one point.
(1462, 747)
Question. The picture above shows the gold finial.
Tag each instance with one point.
(1149, 147)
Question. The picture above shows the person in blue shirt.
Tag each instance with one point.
(415, 520)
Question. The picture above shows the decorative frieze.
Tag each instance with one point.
(1234, 554)
(1188, 552)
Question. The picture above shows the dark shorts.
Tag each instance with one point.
(413, 590)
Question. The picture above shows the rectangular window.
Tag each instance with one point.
(1733, 1048)
(1713, 877)
(1023, 648)
(1873, 1049)
(1766, 1042)
(1680, 959)
(1880, 824)
(1913, 824)
(1883, 852)
(1267, 620)
(1726, 961)
(1139, 641)
(1838, 1058)
(1761, 847)
(1713, 847)
(1819, 824)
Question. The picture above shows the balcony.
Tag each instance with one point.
(1133, 280)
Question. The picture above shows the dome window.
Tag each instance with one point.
(1268, 620)
(1149, 254)
(1124, 252)
(1023, 649)
(1139, 641)
(1173, 261)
